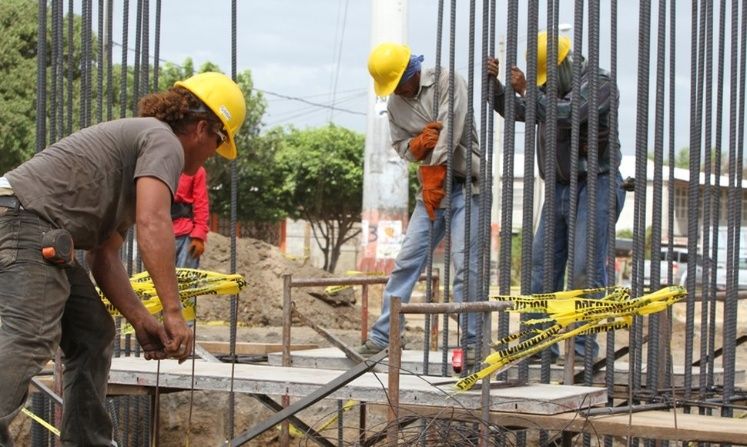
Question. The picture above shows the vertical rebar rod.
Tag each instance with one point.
(233, 231)
(705, 238)
(507, 176)
(570, 267)
(696, 107)
(716, 194)
(636, 332)
(656, 216)
(530, 129)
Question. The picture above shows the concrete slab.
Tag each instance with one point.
(371, 387)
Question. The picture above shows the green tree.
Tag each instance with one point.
(323, 184)
(18, 70)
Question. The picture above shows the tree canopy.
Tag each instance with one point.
(323, 183)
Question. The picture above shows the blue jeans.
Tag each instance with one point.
(412, 258)
(560, 256)
(183, 257)
(43, 306)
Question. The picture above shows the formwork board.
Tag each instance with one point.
(412, 362)
(371, 387)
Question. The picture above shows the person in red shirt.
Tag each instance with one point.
(189, 214)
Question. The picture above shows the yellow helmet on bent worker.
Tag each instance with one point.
(564, 47)
(224, 98)
(386, 64)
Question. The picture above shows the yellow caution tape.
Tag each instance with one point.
(611, 312)
(190, 283)
(41, 422)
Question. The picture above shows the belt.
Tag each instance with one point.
(459, 180)
(10, 202)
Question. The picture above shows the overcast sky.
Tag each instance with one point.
(317, 50)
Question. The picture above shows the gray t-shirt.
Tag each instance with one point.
(85, 182)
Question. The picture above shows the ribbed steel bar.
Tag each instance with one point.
(431, 245)
(609, 375)
(636, 332)
(157, 46)
(41, 79)
(530, 141)
(708, 167)
(551, 150)
(570, 267)
(652, 383)
(468, 123)
(234, 228)
(736, 137)
(101, 63)
(37, 400)
(449, 174)
(696, 103)
(709, 282)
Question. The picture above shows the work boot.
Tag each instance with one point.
(369, 348)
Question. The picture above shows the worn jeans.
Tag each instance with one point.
(183, 257)
(412, 258)
(43, 306)
(562, 220)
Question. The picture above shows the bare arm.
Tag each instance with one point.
(155, 238)
(112, 279)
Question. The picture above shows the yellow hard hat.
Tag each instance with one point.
(224, 98)
(564, 46)
(386, 64)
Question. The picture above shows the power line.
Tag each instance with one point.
(305, 101)
(267, 92)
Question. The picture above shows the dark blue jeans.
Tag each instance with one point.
(562, 219)
(43, 306)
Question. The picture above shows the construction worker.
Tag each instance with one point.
(607, 174)
(421, 137)
(189, 214)
(85, 191)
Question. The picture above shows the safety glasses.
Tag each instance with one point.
(221, 137)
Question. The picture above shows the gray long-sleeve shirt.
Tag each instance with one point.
(408, 117)
(564, 113)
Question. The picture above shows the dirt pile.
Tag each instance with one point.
(260, 302)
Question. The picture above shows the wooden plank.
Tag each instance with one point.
(243, 348)
(370, 387)
(412, 362)
(644, 424)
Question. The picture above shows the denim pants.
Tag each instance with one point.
(562, 220)
(412, 258)
(43, 306)
(183, 257)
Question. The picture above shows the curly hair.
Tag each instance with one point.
(177, 107)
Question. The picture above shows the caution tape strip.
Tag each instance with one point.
(612, 312)
(190, 282)
(54, 430)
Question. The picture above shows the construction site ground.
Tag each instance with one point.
(260, 318)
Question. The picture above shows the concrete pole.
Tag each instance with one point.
(385, 183)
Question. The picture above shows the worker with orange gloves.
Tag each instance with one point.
(607, 173)
(420, 137)
(189, 213)
(85, 192)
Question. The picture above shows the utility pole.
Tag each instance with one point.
(385, 182)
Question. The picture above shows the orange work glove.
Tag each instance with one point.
(196, 248)
(432, 179)
(426, 140)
